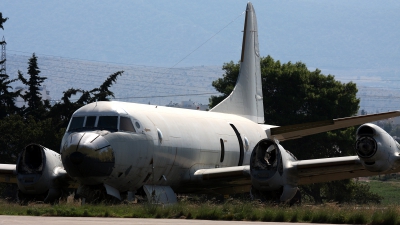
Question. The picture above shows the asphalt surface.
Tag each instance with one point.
(32, 220)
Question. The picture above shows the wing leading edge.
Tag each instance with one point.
(300, 130)
(8, 173)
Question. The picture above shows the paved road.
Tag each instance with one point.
(32, 220)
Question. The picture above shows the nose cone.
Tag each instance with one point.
(87, 155)
(76, 158)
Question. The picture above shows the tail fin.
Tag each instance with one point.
(246, 98)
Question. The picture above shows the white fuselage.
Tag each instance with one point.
(168, 144)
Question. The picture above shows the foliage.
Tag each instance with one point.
(61, 112)
(7, 105)
(36, 107)
(395, 177)
(351, 192)
(39, 122)
(225, 84)
(292, 95)
(16, 132)
(2, 20)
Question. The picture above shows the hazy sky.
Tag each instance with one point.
(355, 40)
(326, 34)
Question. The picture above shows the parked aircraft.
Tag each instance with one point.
(117, 147)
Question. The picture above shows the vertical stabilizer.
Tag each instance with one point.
(246, 98)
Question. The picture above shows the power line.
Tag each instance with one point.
(208, 39)
(108, 62)
(97, 69)
(153, 96)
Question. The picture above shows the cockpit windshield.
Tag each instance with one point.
(125, 124)
(108, 122)
(90, 121)
(112, 123)
(76, 122)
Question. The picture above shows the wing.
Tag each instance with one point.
(227, 180)
(300, 130)
(303, 172)
(8, 173)
(330, 169)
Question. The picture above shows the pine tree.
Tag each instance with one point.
(36, 107)
(2, 20)
(7, 105)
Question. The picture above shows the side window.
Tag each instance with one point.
(108, 122)
(125, 124)
(90, 121)
(76, 122)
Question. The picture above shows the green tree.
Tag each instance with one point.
(7, 105)
(16, 132)
(36, 107)
(225, 84)
(2, 20)
(293, 95)
(62, 111)
(103, 93)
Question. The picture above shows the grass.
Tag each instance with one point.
(240, 210)
(231, 210)
(389, 190)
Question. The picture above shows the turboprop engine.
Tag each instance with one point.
(270, 169)
(378, 151)
(40, 174)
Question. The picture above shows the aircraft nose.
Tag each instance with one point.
(87, 155)
(76, 158)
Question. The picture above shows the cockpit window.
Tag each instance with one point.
(125, 124)
(80, 123)
(108, 122)
(90, 121)
(77, 122)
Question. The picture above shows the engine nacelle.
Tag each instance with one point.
(270, 169)
(40, 173)
(377, 150)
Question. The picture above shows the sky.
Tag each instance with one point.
(354, 40)
(325, 34)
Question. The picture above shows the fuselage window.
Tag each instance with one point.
(125, 124)
(137, 125)
(108, 122)
(90, 121)
(77, 122)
